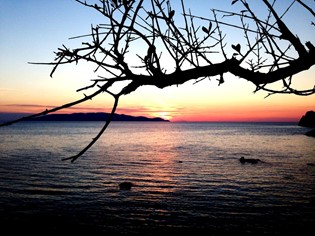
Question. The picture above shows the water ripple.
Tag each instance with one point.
(191, 181)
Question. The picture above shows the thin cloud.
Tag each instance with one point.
(39, 107)
(28, 105)
(140, 109)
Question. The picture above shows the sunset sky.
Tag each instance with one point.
(31, 30)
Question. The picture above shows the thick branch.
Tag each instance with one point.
(126, 23)
(230, 65)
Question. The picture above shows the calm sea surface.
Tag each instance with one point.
(187, 176)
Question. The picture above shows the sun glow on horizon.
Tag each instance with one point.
(163, 115)
(26, 88)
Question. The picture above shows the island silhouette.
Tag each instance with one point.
(99, 116)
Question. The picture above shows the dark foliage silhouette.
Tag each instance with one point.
(195, 47)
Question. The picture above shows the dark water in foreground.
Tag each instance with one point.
(187, 179)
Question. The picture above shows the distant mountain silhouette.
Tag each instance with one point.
(100, 116)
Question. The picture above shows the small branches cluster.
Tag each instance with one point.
(141, 43)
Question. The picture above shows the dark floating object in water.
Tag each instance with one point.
(125, 185)
(249, 160)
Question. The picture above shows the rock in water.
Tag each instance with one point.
(249, 160)
(125, 185)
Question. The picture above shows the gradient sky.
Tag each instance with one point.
(31, 30)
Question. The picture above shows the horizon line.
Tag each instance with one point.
(7, 116)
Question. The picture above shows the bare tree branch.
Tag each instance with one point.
(107, 122)
(131, 44)
(71, 104)
(307, 7)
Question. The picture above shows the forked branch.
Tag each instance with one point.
(155, 44)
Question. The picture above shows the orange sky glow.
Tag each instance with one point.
(26, 88)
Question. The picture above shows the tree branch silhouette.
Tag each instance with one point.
(143, 44)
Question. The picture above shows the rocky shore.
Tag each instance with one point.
(308, 120)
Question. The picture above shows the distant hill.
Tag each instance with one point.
(101, 116)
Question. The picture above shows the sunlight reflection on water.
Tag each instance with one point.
(187, 177)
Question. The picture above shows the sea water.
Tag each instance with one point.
(187, 178)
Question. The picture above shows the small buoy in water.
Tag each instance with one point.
(125, 185)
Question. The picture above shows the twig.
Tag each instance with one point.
(107, 122)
